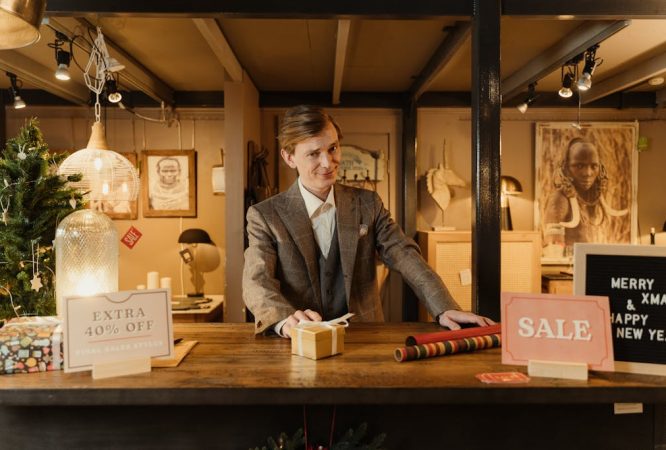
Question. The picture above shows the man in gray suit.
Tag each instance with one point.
(312, 249)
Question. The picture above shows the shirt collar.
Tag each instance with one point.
(312, 202)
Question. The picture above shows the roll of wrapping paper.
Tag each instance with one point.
(440, 336)
(431, 349)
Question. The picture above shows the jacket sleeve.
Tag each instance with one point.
(261, 288)
(401, 253)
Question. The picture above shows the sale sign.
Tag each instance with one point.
(556, 328)
(117, 326)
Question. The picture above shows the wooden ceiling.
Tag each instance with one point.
(171, 54)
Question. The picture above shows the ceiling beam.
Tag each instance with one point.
(134, 75)
(42, 77)
(341, 45)
(583, 9)
(637, 74)
(212, 33)
(261, 8)
(455, 38)
(582, 38)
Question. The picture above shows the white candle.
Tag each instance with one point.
(165, 282)
(153, 280)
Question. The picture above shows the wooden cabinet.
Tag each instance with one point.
(557, 284)
(449, 253)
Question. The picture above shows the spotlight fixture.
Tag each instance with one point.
(112, 92)
(565, 91)
(531, 96)
(584, 83)
(15, 90)
(62, 72)
(63, 57)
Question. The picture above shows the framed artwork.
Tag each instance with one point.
(122, 209)
(586, 183)
(361, 167)
(168, 182)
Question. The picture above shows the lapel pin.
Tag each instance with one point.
(363, 230)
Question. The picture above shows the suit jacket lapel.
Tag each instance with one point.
(347, 210)
(295, 217)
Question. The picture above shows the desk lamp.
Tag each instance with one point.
(201, 255)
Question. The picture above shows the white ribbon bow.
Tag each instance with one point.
(342, 320)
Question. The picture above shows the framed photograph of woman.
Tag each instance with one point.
(586, 179)
(168, 181)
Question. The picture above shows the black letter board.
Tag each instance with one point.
(633, 277)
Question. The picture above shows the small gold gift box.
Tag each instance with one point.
(317, 341)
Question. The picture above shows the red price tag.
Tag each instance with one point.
(131, 237)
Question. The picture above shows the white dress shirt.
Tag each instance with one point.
(322, 217)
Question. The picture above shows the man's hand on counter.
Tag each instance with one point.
(452, 319)
(307, 315)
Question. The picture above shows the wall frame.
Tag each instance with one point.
(585, 185)
(168, 181)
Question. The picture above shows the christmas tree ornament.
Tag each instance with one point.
(5, 209)
(21, 153)
(36, 282)
(72, 203)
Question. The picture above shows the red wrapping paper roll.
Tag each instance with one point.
(429, 350)
(440, 336)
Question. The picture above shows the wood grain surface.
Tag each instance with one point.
(230, 366)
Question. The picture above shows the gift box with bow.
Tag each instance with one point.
(317, 340)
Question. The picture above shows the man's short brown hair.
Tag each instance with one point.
(302, 122)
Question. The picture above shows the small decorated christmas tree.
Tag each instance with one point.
(33, 199)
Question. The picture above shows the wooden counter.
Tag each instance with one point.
(231, 377)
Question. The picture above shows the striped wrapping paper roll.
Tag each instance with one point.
(448, 335)
(447, 347)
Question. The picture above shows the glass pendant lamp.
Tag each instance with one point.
(86, 255)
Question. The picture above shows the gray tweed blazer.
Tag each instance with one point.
(281, 272)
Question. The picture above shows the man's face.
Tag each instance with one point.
(169, 172)
(317, 160)
(584, 165)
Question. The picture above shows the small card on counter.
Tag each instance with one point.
(116, 327)
(503, 377)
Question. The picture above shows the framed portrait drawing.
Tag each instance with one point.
(121, 209)
(168, 182)
(586, 185)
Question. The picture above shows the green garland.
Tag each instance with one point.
(33, 198)
(351, 440)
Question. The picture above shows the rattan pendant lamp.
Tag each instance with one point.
(107, 175)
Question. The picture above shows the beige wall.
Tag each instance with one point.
(204, 131)
(454, 126)
(157, 250)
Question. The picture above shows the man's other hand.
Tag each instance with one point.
(453, 318)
